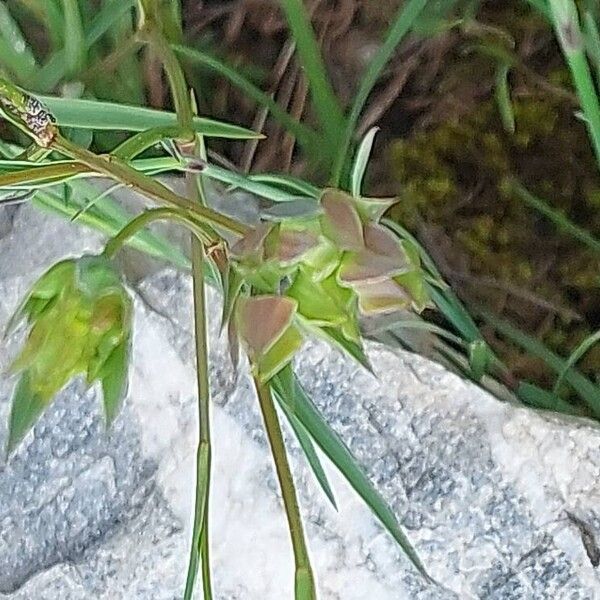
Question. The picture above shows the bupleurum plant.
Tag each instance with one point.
(312, 267)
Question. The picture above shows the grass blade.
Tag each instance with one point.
(537, 397)
(309, 450)
(402, 24)
(503, 100)
(305, 136)
(541, 6)
(562, 223)
(249, 184)
(75, 49)
(361, 161)
(50, 75)
(326, 105)
(575, 356)
(335, 449)
(565, 18)
(588, 392)
(94, 114)
(108, 217)
(15, 53)
(592, 41)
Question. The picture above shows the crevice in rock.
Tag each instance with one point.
(588, 538)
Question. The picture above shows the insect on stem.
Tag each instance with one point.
(28, 114)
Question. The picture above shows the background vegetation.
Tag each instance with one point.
(488, 134)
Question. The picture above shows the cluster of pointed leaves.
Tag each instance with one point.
(79, 318)
(316, 274)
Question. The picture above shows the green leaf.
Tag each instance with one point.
(361, 161)
(231, 291)
(334, 448)
(589, 392)
(288, 183)
(95, 114)
(108, 216)
(562, 222)
(110, 11)
(114, 380)
(352, 348)
(305, 136)
(15, 52)
(325, 102)
(26, 410)
(575, 356)
(535, 396)
(503, 100)
(75, 47)
(308, 448)
(403, 22)
(478, 358)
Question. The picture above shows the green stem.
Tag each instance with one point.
(304, 579)
(200, 537)
(143, 140)
(120, 171)
(185, 115)
(156, 214)
(152, 34)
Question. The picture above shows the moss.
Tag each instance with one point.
(452, 175)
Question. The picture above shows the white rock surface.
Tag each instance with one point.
(483, 489)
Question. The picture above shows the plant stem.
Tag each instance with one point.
(120, 171)
(143, 220)
(152, 33)
(304, 579)
(200, 538)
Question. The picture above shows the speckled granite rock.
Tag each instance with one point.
(501, 502)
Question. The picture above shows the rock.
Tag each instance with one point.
(500, 501)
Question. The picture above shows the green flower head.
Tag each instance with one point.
(79, 318)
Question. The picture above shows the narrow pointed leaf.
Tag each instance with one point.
(114, 380)
(309, 450)
(332, 445)
(95, 114)
(354, 349)
(231, 291)
(361, 161)
(26, 410)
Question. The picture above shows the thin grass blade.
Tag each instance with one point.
(305, 136)
(15, 52)
(334, 448)
(309, 450)
(75, 47)
(588, 343)
(588, 391)
(361, 161)
(402, 24)
(95, 114)
(325, 102)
